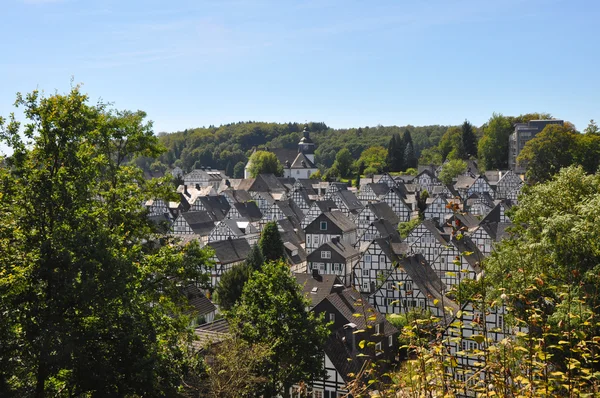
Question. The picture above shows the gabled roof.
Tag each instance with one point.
(308, 184)
(340, 219)
(216, 206)
(464, 182)
(201, 222)
(199, 303)
(291, 210)
(317, 287)
(340, 247)
(379, 189)
(238, 195)
(302, 162)
(248, 210)
(466, 219)
(209, 333)
(349, 302)
(267, 183)
(383, 211)
(435, 231)
(350, 200)
(427, 280)
(231, 250)
(285, 154)
(427, 171)
(469, 251)
(392, 247)
(385, 228)
(326, 205)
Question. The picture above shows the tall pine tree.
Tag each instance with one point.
(408, 151)
(469, 140)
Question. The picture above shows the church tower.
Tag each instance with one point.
(307, 146)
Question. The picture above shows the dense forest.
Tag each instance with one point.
(225, 146)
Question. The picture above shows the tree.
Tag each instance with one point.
(89, 292)
(469, 140)
(549, 151)
(451, 146)
(410, 159)
(452, 169)
(263, 162)
(238, 170)
(395, 154)
(374, 158)
(493, 146)
(592, 128)
(431, 155)
(255, 259)
(234, 370)
(422, 201)
(229, 289)
(343, 162)
(273, 311)
(270, 243)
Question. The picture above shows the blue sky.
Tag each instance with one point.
(346, 63)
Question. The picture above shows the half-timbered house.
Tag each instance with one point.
(329, 225)
(372, 192)
(317, 208)
(377, 262)
(334, 257)
(375, 211)
(227, 254)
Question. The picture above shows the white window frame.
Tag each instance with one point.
(326, 254)
(332, 317)
(321, 224)
(378, 350)
(365, 272)
(377, 328)
(390, 340)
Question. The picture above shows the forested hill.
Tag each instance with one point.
(228, 147)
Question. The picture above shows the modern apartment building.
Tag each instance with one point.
(523, 133)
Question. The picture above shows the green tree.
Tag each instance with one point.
(431, 155)
(374, 158)
(410, 158)
(255, 259)
(451, 146)
(89, 294)
(270, 243)
(452, 169)
(592, 128)
(273, 311)
(229, 289)
(263, 162)
(493, 146)
(549, 151)
(395, 154)
(469, 140)
(238, 170)
(343, 162)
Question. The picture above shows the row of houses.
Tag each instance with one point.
(347, 239)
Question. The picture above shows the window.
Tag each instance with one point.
(368, 258)
(382, 259)
(378, 349)
(323, 225)
(390, 285)
(365, 272)
(325, 254)
(318, 393)
(297, 171)
(408, 285)
(332, 317)
(376, 328)
(365, 286)
(389, 301)
(500, 321)
(368, 218)
(308, 239)
(390, 341)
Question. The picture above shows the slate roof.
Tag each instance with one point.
(469, 251)
(317, 287)
(383, 211)
(385, 228)
(466, 219)
(201, 222)
(266, 183)
(298, 162)
(216, 206)
(308, 184)
(231, 250)
(345, 361)
(248, 210)
(464, 182)
(238, 196)
(421, 273)
(200, 304)
(379, 189)
(285, 154)
(291, 210)
(392, 247)
(341, 220)
(326, 205)
(350, 200)
(342, 248)
(436, 232)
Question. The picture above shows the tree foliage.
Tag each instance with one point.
(451, 170)
(374, 158)
(273, 311)
(493, 146)
(343, 163)
(270, 243)
(231, 283)
(90, 295)
(469, 140)
(264, 162)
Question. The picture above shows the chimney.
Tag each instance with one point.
(198, 186)
(349, 336)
